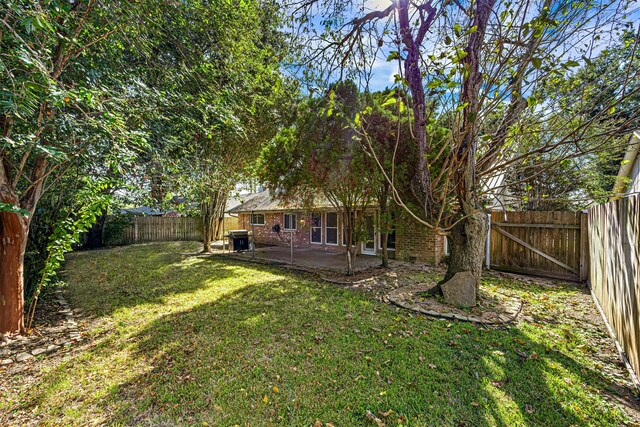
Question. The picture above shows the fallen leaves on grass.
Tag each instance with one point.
(386, 414)
(374, 419)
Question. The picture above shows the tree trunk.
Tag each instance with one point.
(207, 226)
(221, 204)
(467, 237)
(385, 252)
(14, 231)
(351, 260)
(421, 181)
(212, 211)
(384, 222)
(349, 222)
(467, 246)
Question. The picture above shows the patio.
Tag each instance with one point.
(305, 257)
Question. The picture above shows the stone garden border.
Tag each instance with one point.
(71, 328)
(406, 296)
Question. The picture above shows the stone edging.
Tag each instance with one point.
(405, 297)
(70, 325)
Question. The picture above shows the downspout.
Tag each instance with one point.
(626, 166)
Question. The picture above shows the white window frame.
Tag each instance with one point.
(256, 223)
(376, 235)
(292, 215)
(326, 226)
(311, 228)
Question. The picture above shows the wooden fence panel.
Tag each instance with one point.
(614, 271)
(160, 229)
(231, 223)
(543, 243)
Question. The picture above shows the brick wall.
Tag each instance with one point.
(264, 234)
(415, 242)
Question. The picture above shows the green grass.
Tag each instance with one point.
(179, 339)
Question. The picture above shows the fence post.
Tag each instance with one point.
(584, 247)
(135, 229)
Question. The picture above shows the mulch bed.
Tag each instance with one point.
(493, 308)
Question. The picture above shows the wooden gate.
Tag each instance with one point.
(551, 244)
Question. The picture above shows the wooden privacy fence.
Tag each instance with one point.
(162, 229)
(551, 244)
(614, 273)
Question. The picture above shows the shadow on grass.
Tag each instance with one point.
(292, 351)
(332, 358)
(141, 274)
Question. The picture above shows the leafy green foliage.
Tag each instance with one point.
(91, 201)
(115, 227)
(8, 207)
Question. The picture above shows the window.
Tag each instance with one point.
(332, 228)
(289, 221)
(391, 240)
(391, 234)
(316, 227)
(257, 219)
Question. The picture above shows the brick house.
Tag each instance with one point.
(321, 228)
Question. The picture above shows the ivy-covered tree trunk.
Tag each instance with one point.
(468, 236)
(14, 231)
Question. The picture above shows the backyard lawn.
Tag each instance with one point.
(177, 339)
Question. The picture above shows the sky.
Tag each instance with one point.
(383, 71)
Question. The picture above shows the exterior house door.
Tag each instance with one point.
(369, 242)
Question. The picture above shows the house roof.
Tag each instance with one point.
(142, 210)
(261, 202)
(234, 201)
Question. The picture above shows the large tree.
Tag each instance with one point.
(479, 69)
(59, 100)
(219, 97)
(83, 78)
(385, 138)
(319, 159)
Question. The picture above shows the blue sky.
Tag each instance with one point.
(383, 71)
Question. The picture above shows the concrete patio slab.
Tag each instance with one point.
(313, 258)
